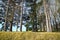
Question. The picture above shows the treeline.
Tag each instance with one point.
(35, 15)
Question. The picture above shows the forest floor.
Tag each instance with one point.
(29, 35)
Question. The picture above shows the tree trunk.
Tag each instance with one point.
(56, 16)
(21, 22)
(46, 10)
(34, 28)
(5, 24)
(56, 26)
(27, 28)
(11, 26)
(17, 26)
(42, 27)
(21, 17)
(11, 22)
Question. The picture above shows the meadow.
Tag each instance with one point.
(29, 36)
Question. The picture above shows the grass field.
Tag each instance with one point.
(29, 36)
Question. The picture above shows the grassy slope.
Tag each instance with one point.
(29, 36)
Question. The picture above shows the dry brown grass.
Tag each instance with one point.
(29, 36)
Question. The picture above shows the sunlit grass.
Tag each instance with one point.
(29, 35)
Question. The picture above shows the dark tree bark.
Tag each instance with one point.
(6, 14)
(27, 28)
(34, 20)
(12, 14)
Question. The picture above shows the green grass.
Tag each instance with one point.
(29, 36)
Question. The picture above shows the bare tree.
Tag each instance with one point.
(46, 11)
(5, 24)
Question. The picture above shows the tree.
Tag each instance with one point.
(12, 14)
(34, 17)
(46, 11)
(21, 16)
(5, 24)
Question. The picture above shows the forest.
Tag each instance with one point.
(34, 15)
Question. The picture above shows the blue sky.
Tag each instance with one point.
(23, 28)
(0, 25)
(14, 28)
